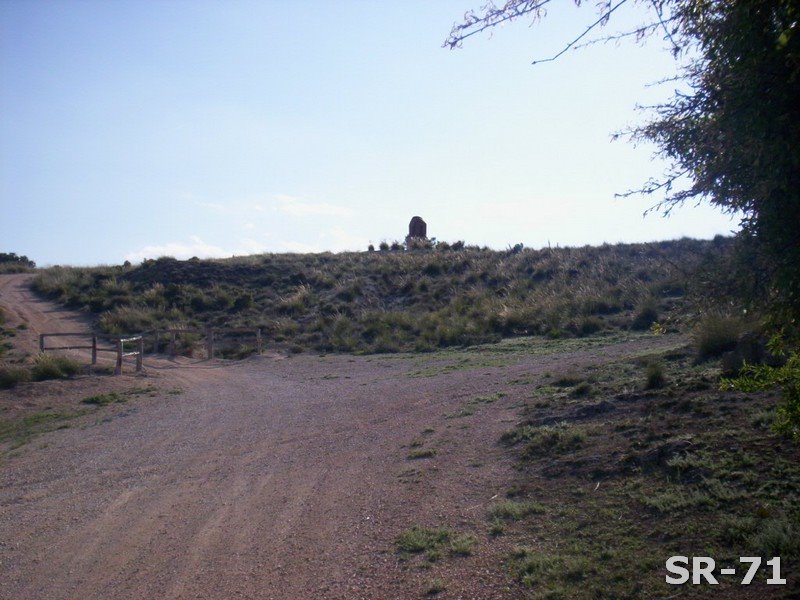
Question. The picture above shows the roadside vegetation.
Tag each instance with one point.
(19, 427)
(10, 262)
(662, 456)
(390, 301)
(641, 472)
(44, 367)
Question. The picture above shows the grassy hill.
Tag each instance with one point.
(394, 300)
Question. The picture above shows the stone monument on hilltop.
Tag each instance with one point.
(417, 230)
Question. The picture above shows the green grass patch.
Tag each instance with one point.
(103, 399)
(515, 510)
(19, 431)
(434, 541)
(421, 453)
(421, 539)
(546, 440)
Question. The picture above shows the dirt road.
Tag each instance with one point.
(38, 316)
(266, 478)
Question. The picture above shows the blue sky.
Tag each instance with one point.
(137, 129)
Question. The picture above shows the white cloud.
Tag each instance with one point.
(195, 247)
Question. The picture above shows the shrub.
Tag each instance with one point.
(581, 390)
(776, 537)
(754, 378)
(243, 301)
(589, 325)
(54, 366)
(127, 319)
(11, 263)
(11, 376)
(654, 376)
(646, 315)
(715, 334)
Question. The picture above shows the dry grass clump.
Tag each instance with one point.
(717, 333)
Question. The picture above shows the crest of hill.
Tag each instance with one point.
(391, 301)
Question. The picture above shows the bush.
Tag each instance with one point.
(54, 366)
(243, 301)
(755, 378)
(127, 319)
(654, 376)
(716, 334)
(11, 376)
(646, 315)
(11, 263)
(589, 325)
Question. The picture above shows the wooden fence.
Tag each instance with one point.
(92, 347)
(138, 353)
(212, 335)
(118, 346)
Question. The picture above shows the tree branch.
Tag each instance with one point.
(492, 17)
(603, 18)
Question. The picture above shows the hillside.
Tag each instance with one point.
(391, 301)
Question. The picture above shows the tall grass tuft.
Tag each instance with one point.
(54, 366)
(11, 375)
(655, 377)
(715, 334)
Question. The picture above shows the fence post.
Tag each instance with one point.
(41, 342)
(94, 349)
(172, 335)
(118, 369)
(258, 340)
(210, 342)
(140, 348)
